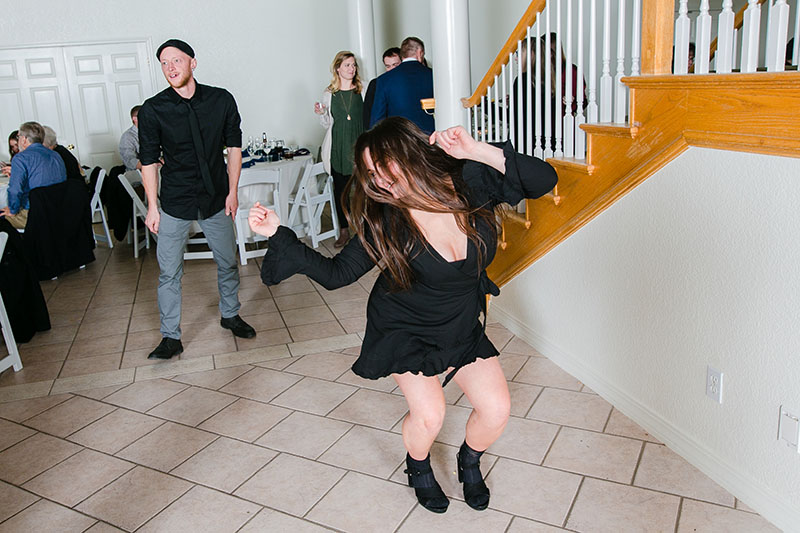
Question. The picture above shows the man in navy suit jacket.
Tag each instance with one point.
(399, 91)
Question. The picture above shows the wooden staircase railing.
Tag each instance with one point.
(757, 113)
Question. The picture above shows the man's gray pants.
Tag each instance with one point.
(172, 236)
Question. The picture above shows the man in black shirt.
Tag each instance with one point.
(190, 124)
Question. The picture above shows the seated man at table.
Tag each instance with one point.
(34, 166)
(129, 143)
(73, 167)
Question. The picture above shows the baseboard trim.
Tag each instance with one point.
(764, 500)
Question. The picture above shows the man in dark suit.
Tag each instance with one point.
(399, 91)
(391, 58)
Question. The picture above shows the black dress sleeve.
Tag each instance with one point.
(287, 256)
(525, 177)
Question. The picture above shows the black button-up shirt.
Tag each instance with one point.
(164, 127)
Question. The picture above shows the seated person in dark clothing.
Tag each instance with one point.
(22, 295)
(73, 167)
(34, 166)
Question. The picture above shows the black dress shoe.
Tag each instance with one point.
(166, 349)
(420, 478)
(239, 327)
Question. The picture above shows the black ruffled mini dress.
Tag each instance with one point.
(435, 325)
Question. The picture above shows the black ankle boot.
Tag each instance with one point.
(429, 493)
(476, 493)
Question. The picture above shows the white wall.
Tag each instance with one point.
(696, 266)
(273, 56)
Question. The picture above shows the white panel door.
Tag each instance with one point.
(33, 86)
(105, 82)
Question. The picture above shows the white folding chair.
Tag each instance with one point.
(12, 359)
(252, 190)
(139, 210)
(310, 197)
(97, 207)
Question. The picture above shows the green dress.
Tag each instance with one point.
(348, 124)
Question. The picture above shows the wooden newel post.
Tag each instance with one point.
(657, 28)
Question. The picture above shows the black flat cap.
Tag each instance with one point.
(176, 43)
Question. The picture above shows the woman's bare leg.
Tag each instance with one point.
(485, 386)
(426, 410)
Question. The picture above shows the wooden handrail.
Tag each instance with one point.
(520, 30)
(738, 22)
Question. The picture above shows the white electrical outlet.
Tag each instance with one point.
(789, 429)
(714, 384)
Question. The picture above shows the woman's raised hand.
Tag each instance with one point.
(319, 108)
(263, 221)
(455, 142)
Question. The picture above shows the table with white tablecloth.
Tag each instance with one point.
(291, 172)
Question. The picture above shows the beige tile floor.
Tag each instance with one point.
(277, 434)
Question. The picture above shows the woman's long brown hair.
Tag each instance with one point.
(426, 175)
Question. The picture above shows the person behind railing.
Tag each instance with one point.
(423, 211)
(521, 136)
(70, 163)
(689, 60)
(340, 113)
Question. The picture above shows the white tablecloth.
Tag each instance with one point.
(3, 192)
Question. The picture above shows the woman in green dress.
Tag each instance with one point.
(340, 114)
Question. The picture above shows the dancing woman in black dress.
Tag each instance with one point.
(422, 208)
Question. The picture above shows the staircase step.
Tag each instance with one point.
(612, 130)
(571, 164)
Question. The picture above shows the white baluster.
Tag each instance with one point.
(702, 39)
(569, 119)
(548, 88)
(559, 133)
(538, 151)
(510, 98)
(680, 61)
(776, 38)
(591, 108)
(605, 78)
(796, 48)
(723, 59)
(580, 135)
(529, 115)
(737, 57)
(636, 42)
(496, 114)
(520, 81)
(750, 29)
(621, 101)
(504, 98)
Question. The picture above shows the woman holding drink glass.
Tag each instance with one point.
(340, 114)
